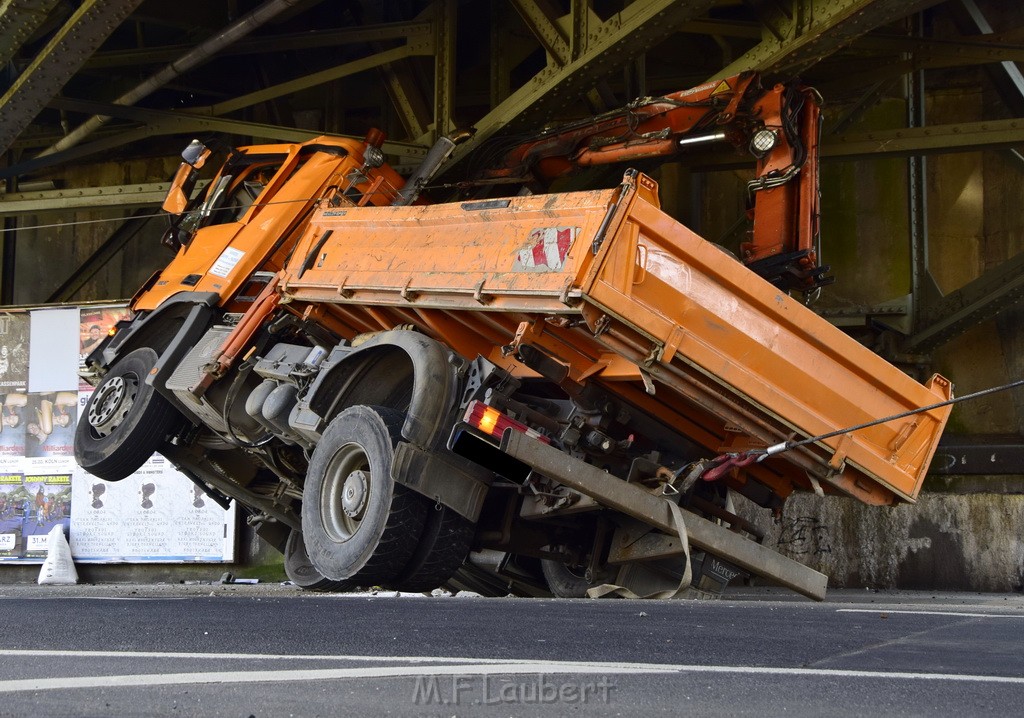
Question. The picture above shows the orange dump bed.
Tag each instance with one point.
(625, 296)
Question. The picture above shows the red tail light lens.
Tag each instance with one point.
(491, 421)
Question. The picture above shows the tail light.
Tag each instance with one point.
(492, 422)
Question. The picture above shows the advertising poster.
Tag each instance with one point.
(155, 515)
(14, 333)
(94, 324)
(14, 502)
(49, 498)
(50, 425)
(12, 429)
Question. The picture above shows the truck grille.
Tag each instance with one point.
(188, 372)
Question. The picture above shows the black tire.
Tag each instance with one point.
(563, 581)
(125, 420)
(446, 540)
(359, 525)
(302, 572)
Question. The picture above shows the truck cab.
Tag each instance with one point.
(237, 229)
(231, 234)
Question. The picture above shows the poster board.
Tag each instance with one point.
(155, 515)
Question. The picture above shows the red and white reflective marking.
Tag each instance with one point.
(546, 249)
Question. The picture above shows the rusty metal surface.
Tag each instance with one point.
(627, 547)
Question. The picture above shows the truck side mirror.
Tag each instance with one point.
(194, 156)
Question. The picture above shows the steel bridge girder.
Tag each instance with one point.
(55, 64)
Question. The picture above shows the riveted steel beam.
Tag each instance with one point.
(579, 27)
(501, 56)
(539, 16)
(113, 141)
(18, 20)
(817, 29)
(931, 140)
(1008, 78)
(934, 139)
(621, 38)
(412, 31)
(159, 122)
(404, 89)
(406, 97)
(166, 122)
(84, 198)
(852, 114)
(871, 71)
(61, 58)
(976, 50)
(198, 55)
(317, 78)
(444, 66)
(979, 300)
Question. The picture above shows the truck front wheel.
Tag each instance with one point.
(124, 421)
(359, 525)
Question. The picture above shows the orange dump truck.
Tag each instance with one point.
(549, 394)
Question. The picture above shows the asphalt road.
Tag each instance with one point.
(272, 651)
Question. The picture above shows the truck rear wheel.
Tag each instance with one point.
(302, 572)
(359, 525)
(124, 421)
(445, 543)
(565, 581)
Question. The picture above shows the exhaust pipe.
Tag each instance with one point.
(441, 150)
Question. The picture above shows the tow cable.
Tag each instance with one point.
(716, 468)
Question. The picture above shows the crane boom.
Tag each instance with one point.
(780, 127)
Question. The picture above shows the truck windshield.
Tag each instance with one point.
(242, 182)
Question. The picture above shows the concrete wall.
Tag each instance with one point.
(945, 541)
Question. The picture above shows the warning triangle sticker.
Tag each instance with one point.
(723, 86)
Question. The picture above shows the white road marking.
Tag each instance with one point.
(929, 613)
(98, 598)
(477, 669)
(461, 667)
(294, 657)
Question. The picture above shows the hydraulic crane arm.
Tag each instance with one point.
(780, 127)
